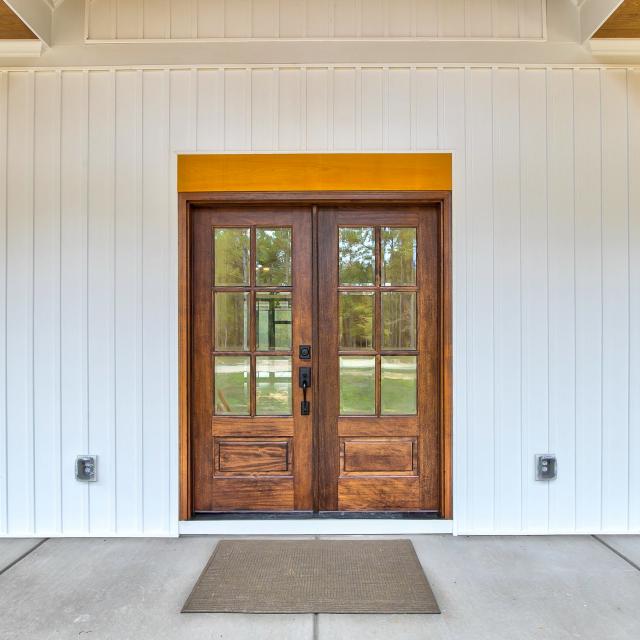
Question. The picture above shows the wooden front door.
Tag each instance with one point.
(251, 311)
(379, 400)
(360, 285)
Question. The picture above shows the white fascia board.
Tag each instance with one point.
(593, 14)
(20, 48)
(616, 47)
(36, 14)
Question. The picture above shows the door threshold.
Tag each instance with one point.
(315, 526)
(314, 515)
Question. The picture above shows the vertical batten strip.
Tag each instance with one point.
(73, 293)
(140, 296)
(507, 299)
(562, 331)
(47, 302)
(100, 296)
(588, 147)
(633, 168)
(173, 440)
(535, 331)
(615, 278)
(480, 180)
(127, 300)
(156, 403)
(4, 164)
(451, 124)
(19, 304)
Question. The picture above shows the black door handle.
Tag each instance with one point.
(304, 380)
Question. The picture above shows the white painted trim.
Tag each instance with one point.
(615, 46)
(20, 48)
(331, 526)
(330, 66)
(320, 527)
(36, 14)
(593, 14)
(374, 39)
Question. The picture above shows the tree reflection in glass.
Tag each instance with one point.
(398, 256)
(273, 257)
(398, 320)
(356, 256)
(232, 252)
(356, 321)
(232, 321)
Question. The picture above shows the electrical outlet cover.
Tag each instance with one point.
(87, 468)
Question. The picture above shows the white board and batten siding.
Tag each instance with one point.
(165, 20)
(546, 276)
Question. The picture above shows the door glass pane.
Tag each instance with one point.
(356, 256)
(398, 388)
(231, 321)
(231, 251)
(273, 321)
(398, 320)
(231, 385)
(273, 385)
(273, 257)
(356, 321)
(398, 256)
(357, 385)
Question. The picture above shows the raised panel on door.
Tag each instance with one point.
(251, 309)
(379, 393)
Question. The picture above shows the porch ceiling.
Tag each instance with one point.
(623, 23)
(11, 27)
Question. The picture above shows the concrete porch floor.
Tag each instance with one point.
(487, 587)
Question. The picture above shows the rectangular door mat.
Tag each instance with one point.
(312, 576)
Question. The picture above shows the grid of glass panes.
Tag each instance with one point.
(252, 321)
(378, 325)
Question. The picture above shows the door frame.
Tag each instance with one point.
(189, 201)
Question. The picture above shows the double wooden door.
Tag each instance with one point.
(316, 355)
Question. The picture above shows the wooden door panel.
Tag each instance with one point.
(252, 456)
(251, 309)
(379, 494)
(253, 494)
(378, 456)
(375, 460)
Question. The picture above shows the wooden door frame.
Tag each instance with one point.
(191, 200)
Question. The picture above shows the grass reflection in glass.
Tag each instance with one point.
(273, 386)
(398, 382)
(357, 385)
(231, 385)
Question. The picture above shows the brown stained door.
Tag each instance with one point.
(251, 309)
(378, 396)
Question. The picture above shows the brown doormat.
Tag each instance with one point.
(312, 576)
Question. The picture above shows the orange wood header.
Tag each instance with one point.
(315, 172)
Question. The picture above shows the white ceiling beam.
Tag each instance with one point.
(36, 14)
(20, 48)
(593, 14)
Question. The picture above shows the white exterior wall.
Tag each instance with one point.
(546, 254)
(108, 20)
